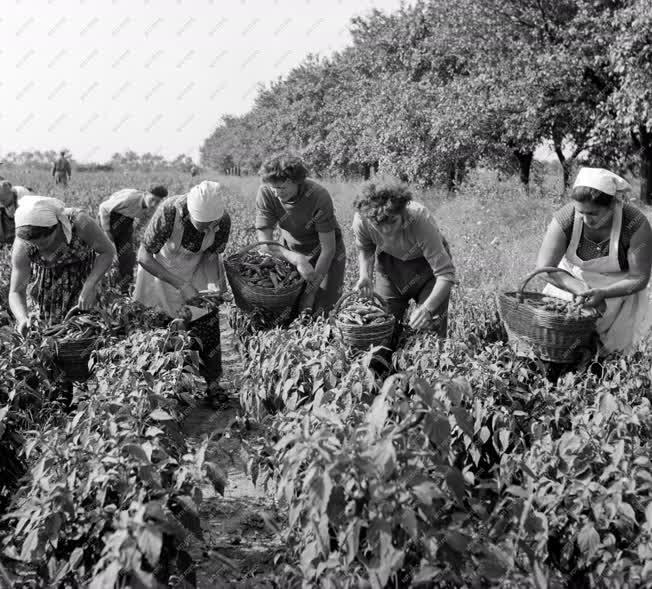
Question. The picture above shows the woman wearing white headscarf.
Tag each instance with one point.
(606, 244)
(65, 252)
(179, 255)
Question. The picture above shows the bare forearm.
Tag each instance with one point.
(324, 263)
(439, 294)
(18, 305)
(100, 268)
(276, 250)
(155, 268)
(627, 286)
(366, 263)
(565, 282)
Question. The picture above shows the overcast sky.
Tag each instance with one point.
(100, 76)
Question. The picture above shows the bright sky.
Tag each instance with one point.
(100, 76)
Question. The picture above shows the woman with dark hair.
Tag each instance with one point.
(606, 245)
(65, 252)
(412, 260)
(310, 234)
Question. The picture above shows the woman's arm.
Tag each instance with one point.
(366, 262)
(328, 245)
(640, 262)
(155, 268)
(91, 234)
(552, 250)
(301, 262)
(20, 274)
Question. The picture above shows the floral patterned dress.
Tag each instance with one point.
(56, 283)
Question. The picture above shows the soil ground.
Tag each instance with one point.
(233, 525)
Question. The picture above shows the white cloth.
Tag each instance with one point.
(202, 271)
(205, 202)
(602, 180)
(21, 191)
(43, 211)
(627, 319)
(128, 202)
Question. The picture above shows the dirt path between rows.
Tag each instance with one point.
(233, 525)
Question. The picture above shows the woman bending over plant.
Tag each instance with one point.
(398, 238)
(606, 244)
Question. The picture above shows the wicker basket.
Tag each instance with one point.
(247, 297)
(363, 336)
(546, 334)
(72, 357)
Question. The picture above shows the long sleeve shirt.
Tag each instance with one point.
(418, 237)
(128, 202)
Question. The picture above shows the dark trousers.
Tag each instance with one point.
(206, 330)
(398, 283)
(122, 233)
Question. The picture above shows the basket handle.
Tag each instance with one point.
(540, 271)
(251, 246)
(338, 305)
(74, 311)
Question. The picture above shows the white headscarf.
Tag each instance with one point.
(205, 202)
(603, 180)
(43, 211)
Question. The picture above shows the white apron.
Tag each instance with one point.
(204, 272)
(627, 319)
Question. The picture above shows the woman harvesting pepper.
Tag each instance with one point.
(180, 255)
(398, 238)
(65, 252)
(310, 232)
(606, 244)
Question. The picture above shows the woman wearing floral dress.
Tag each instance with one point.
(63, 251)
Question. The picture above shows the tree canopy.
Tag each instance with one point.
(435, 88)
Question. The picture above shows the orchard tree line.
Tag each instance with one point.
(432, 90)
(129, 160)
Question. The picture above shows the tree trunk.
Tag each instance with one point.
(524, 159)
(450, 182)
(646, 165)
(565, 164)
(366, 171)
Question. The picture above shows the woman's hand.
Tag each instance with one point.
(23, 326)
(188, 292)
(305, 268)
(593, 297)
(87, 297)
(364, 287)
(420, 317)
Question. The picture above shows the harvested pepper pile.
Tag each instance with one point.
(360, 312)
(570, 309)
(119, 319)
(266, 271)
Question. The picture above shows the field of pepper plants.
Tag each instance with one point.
(467, 467)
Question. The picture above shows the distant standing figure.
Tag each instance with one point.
(194, 171)
(116, 216)
(61, 170)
